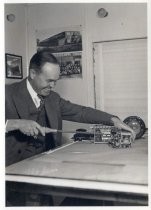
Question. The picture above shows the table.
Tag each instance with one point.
(86, 170)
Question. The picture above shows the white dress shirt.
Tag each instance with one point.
(33, 94)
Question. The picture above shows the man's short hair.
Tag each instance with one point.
(40, 58)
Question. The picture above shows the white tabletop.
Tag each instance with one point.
(89, 166)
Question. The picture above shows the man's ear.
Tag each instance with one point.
(32, 73)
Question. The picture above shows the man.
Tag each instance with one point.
(34, 112)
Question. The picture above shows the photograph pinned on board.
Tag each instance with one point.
(66, 45)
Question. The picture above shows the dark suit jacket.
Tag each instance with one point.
(18, 104)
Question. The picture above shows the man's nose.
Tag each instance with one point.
(52, 84)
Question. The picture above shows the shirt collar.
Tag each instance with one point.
(31, 90)
(33, 94)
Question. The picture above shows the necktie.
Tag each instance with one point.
(42, 101)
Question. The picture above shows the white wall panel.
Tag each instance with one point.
(16, 35)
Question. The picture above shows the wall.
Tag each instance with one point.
(15, 35)
(124, 20)
(45, 16)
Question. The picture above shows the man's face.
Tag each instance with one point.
(45, 80)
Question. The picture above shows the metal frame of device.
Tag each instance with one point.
(111, 135)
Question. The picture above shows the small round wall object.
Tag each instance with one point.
(137, 124)
(11, 17)
(102, 13)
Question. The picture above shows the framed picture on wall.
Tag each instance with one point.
(13, 66)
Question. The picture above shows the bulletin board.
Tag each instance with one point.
(66, 45)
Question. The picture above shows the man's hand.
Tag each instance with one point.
(121, 125)
(28, 127)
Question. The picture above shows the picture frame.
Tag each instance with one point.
(13, 65)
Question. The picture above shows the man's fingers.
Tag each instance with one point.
(40, 129)
(36, 132)
(134, 135)
(126, 127)
(121, 125)
(32, 128)
(44, 130)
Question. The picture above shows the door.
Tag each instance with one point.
(120, 72)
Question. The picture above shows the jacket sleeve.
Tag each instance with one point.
(83, 114)
(10, 109)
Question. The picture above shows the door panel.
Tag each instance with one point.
(120, 69)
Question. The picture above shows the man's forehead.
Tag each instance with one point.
(48, 65)
(50, 69)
